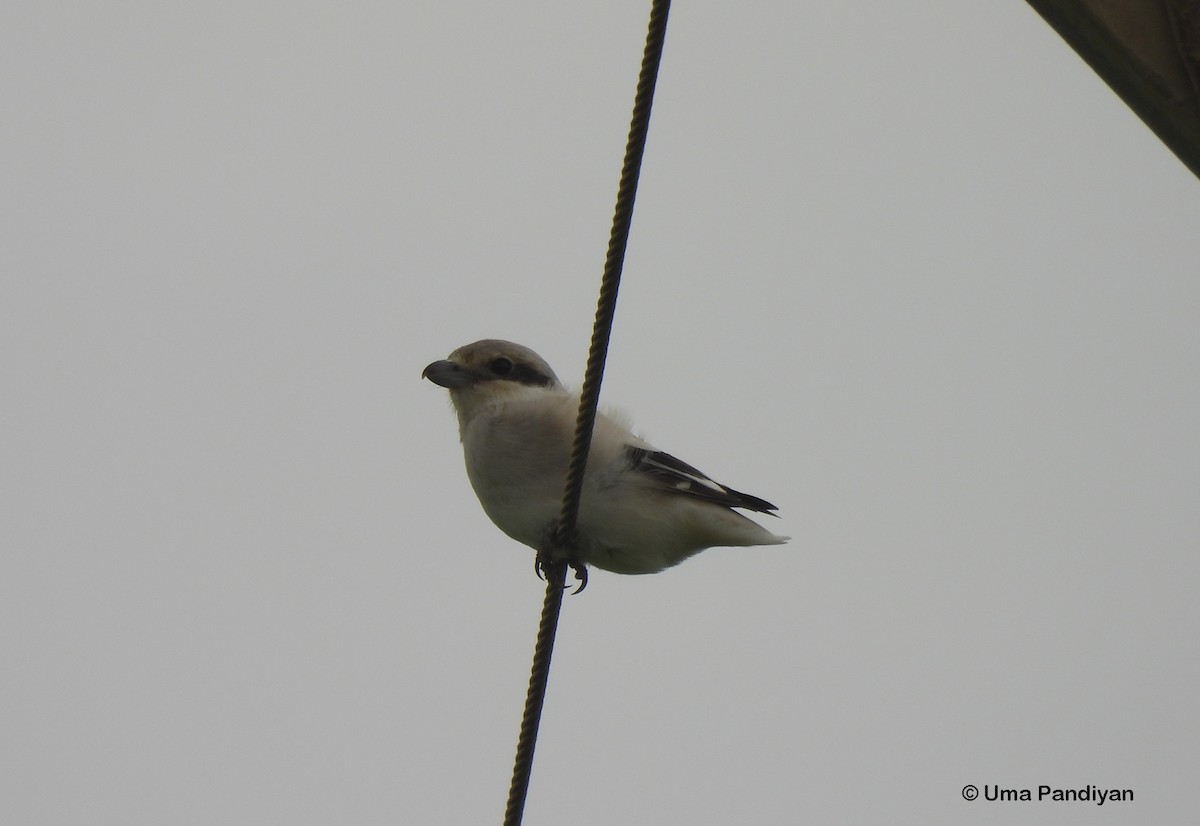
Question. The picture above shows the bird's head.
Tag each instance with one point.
(488, 371)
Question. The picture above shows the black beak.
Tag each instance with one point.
(447, 374)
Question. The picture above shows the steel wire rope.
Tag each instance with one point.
(551, 561)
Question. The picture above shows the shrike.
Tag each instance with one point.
(641, 510)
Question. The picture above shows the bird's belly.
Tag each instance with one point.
(521, 497)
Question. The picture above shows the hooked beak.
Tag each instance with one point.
(448, 374)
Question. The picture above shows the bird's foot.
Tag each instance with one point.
(581, 574)
(552, 560)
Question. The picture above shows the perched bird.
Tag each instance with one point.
(641, 510)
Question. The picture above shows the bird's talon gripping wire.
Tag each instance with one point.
(581, 574)
(550, 556)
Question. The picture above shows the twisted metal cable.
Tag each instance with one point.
(563, 538)
(556, 575)
(589, 393)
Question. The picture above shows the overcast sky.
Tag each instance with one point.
(910, 271)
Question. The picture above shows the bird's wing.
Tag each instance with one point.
(680, 477)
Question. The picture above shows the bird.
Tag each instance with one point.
(641, 510)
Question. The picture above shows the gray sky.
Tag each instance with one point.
(910, 271)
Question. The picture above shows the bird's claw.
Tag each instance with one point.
(546, 560)
(581, 574)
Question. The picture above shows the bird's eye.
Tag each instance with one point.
(501, 366)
